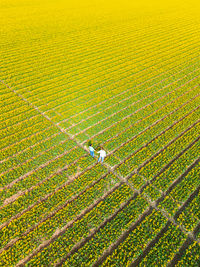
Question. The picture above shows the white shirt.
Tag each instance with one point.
(102, 153)
(91, 148)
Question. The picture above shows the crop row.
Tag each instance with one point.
(79, 45)
(143, 231)
(190, 256)
(6, 108)
(27, 142)
(190, 216)
(74, 56)
(144, 128)
(165, 248)
(78, 103)
(47, 228)
(176, 168)
(31, 164)
(128, 117)
(118, 96)
(35, 149)
(81, 105)
(129, 102)
(17, 115)
(41, 177)
(47, 207)
(107, 233)
(89, 223)
(155, 165)
(41, 124)
(179, 194)
(54, 70)
(147, 151)
(46, 197)
(54, 67)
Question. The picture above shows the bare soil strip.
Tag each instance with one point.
(58, 208)
(149, 246)
(62, 231)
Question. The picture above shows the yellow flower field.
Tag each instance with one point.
(124, 75)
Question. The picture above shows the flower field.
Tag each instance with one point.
(125, 76)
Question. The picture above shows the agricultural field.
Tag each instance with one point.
(125, 76)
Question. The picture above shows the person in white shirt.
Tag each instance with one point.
(91, 150)
(102, 155)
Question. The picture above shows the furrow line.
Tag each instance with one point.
(145, 145)
(153, 124)
(31, 135)
(156, 76)
(42, 113)
(101, 86)
(126, 90)
(51, 214)
(124, 99)
(30, 159)
(32, 171)
(178, 254)
(97, 45)
(175, 158)
(108, 251)
(30, 147)
(177, 181)
(149, 57)
(148, 61)
(85, 240)
(62, 231)
(128, 116)
(149, 246)
(48, 195)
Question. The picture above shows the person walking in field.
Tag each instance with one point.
(102, 155)
(91, 150)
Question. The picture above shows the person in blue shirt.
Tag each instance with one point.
(91, 150)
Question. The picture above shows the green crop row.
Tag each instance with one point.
(190, 216)
(89, 84)
(148, 151)
(152, 131)
(13, 118)
(115, 66)
(165, 248)
(56, 199)
(101, 105)
(190, 256)
(83, 227)
(108, 234)
(46, 229)
(126, 103)
(181, 192)
(170, 174)
(165, 156)
(88, 104)
(136, 241)
(40, 147)
(42, 172)
(40, 175)
(124, 113)
(35, 162)
(18, 136)
(25, 144)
